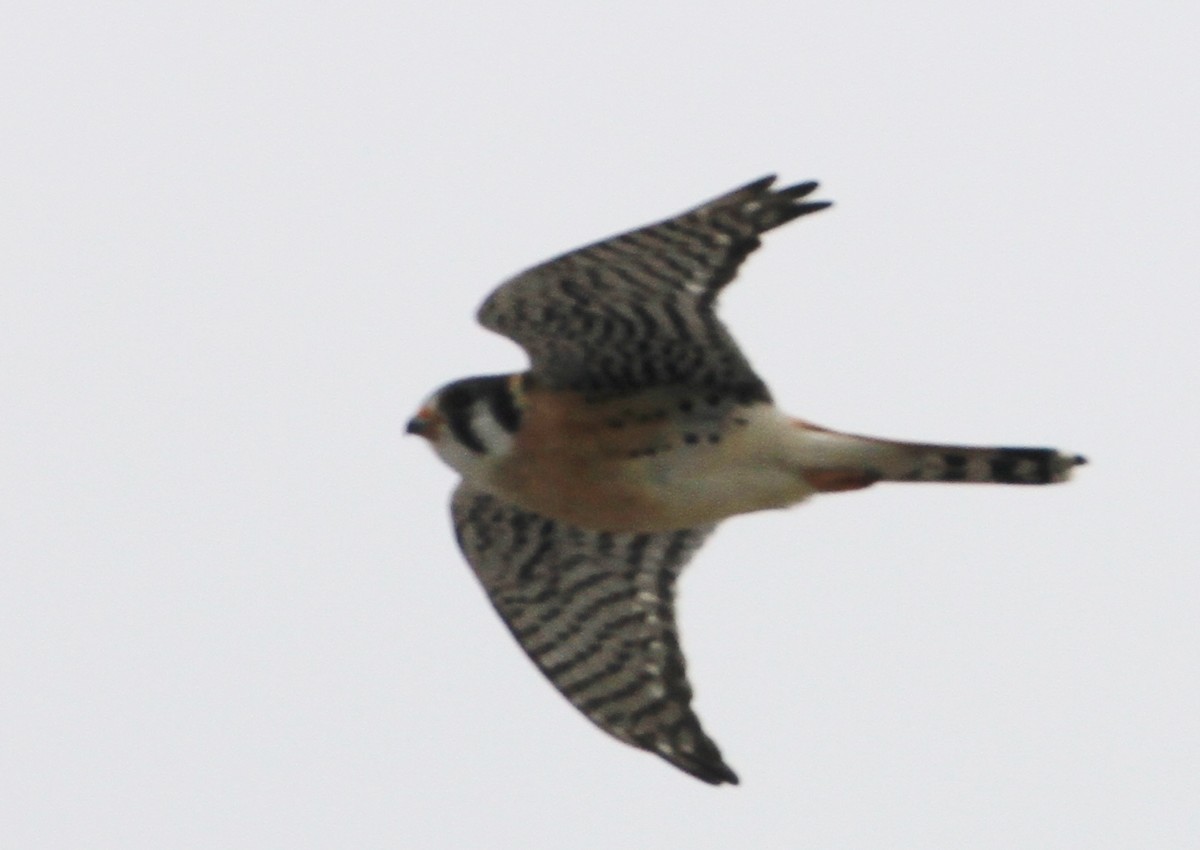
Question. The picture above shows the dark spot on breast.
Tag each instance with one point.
(647, 452)
(712, 399)
(691, 439)
(714, 438)
(685, 406)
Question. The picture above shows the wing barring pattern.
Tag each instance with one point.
(637, 310)
(595, 612)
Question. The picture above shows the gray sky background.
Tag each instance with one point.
(241, 242)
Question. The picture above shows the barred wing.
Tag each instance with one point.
(637, 310)
(594, 611)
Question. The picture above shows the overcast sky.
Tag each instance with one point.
(242, 241)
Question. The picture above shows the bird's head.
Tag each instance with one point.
(471, 422)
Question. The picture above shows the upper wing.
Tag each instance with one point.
(637, 310)
(594, 611)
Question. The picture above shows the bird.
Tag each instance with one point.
(590, 480)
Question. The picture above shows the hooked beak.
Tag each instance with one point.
(416, 426)
(424, 424)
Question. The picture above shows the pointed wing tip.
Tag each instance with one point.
(799, 190)
(714, 772)
(702, 761)
(793, 192)
(722, 774)
(765, 207)
(813, 206)
(789, 203)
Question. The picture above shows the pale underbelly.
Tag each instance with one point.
(656, 494)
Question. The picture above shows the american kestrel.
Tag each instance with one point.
(589, 481)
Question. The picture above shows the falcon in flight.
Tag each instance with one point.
(589, 481)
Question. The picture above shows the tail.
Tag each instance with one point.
(845, 455)
(1004, 465)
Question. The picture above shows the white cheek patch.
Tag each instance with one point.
(494, 436)
(496, 440)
